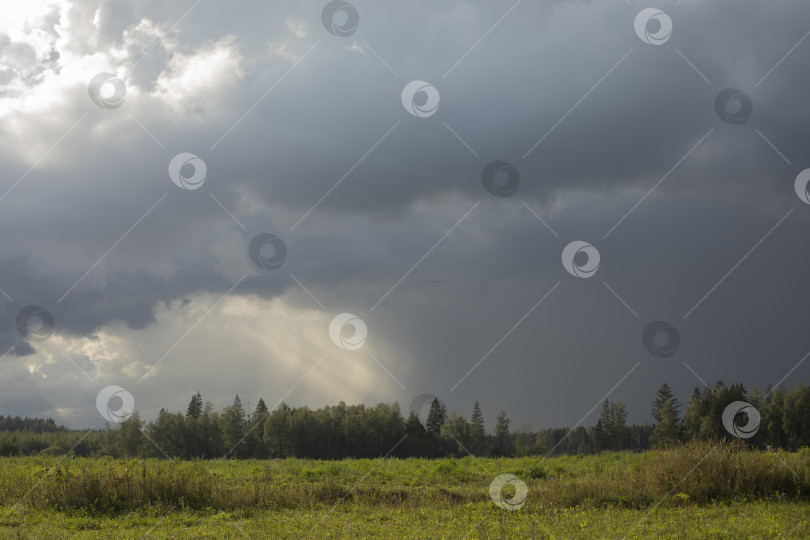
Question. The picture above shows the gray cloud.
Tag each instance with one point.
(598, 158)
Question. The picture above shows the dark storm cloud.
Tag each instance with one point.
(523, 82)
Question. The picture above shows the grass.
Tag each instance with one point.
(694, 491)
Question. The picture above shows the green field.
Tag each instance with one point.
(690, 492)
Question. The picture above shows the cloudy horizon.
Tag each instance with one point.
(422, 167)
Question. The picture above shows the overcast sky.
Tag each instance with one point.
(611, 128)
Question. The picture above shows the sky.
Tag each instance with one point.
(536, 205)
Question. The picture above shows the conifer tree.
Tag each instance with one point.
(477, 431)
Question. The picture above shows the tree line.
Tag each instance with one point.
(359, 431)
(35, 425)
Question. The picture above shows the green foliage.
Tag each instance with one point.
(33, 425)
(527, 443)
(130, 437)
(360, 431)
(702, 472)
(610, 431)
(456, 434)
(663, 396)
(503, 440)
(479, 519)
(665, 411)
(785, 415)
(478, 432)
(436, 417)
(233, 423)
(538, 470)
(195, 406)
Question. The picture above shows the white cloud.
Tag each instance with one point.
(196, 79)
(299, 28)
(282, 50)
(246, 345)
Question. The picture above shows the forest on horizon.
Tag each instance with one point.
(359, 431)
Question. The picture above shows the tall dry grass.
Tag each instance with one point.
(695, 473)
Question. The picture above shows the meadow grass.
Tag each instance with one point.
(699, 490)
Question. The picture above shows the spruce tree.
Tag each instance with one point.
(693, 416)
(477, 432)
(618, 430)
(436, 417)
(503, 439)
(261, 411)
(255, 431)
(665, 410)
(601, 433)
(664, 394)
(233, 429)
(195, 406)
(435, 421)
